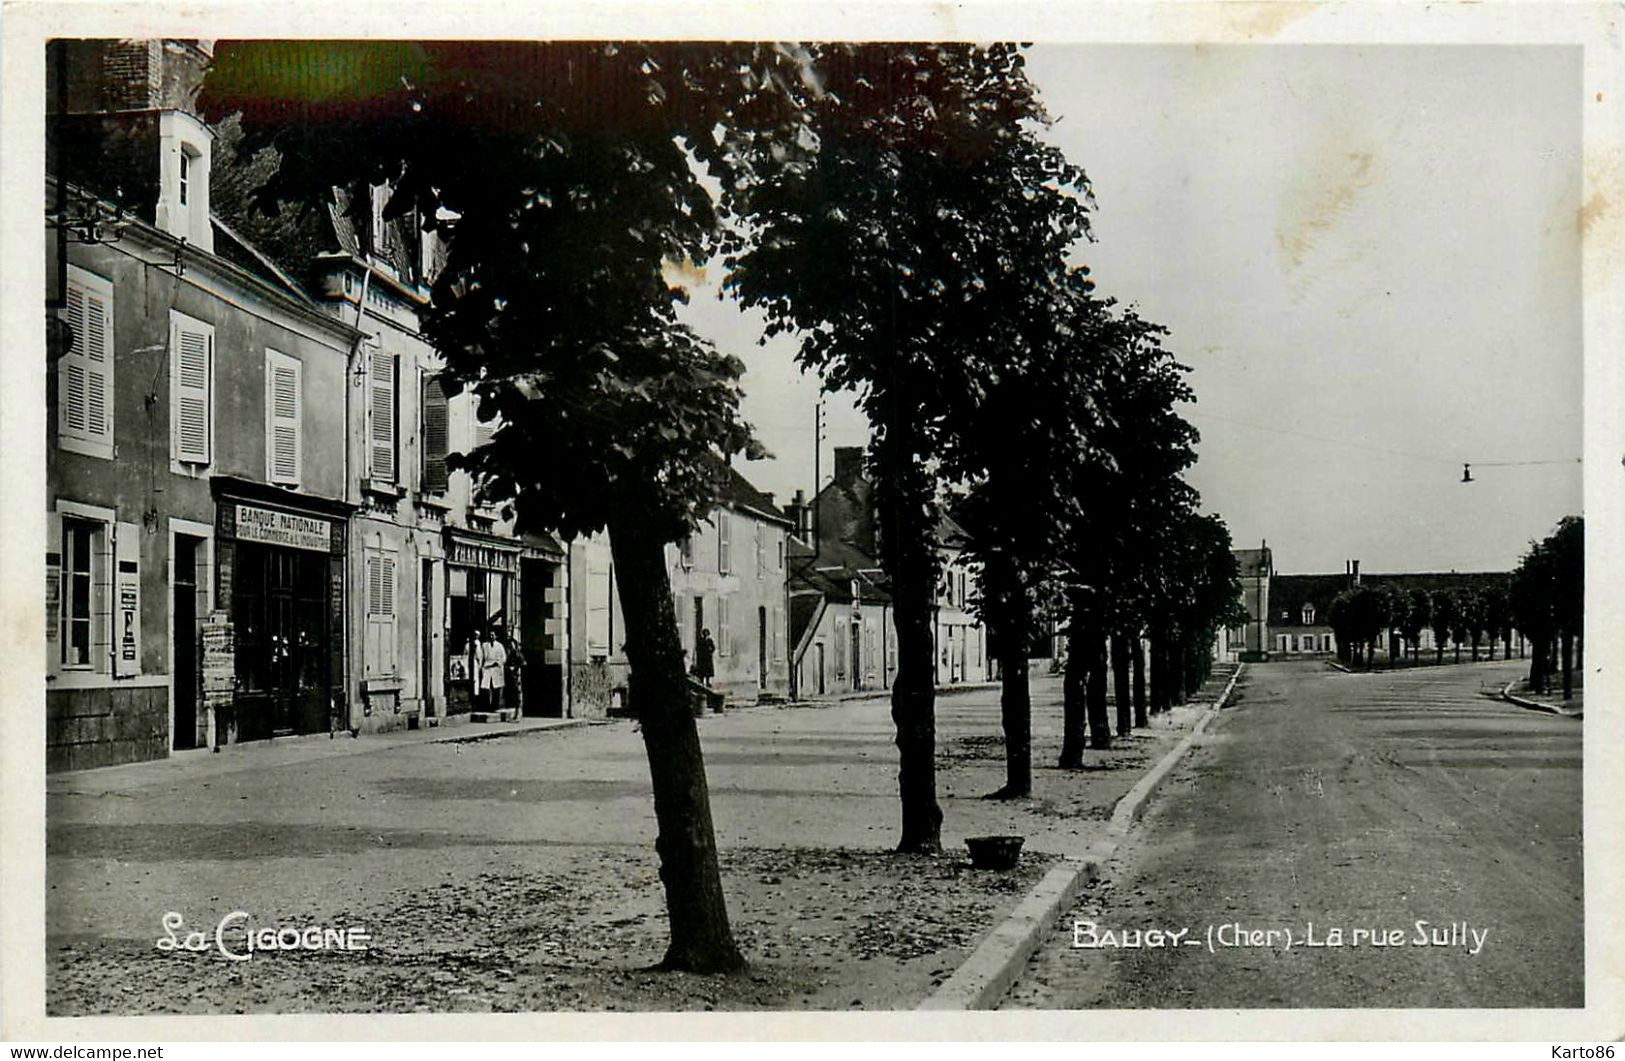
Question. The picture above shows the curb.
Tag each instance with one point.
(983, 978)
(499, 734)
(1536, 705)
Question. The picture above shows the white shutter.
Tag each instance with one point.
(382, 408)
(380, 648)
(85, 375)
(284, 409)
(192, 369)
(386, 565)
(127, 606)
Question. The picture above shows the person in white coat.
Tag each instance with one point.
(493, 664)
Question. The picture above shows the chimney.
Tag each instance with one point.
(131, 106)
(848, 464)
(1356, 569)
(798, 512)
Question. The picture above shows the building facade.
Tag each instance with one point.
(843, 629)
(728, 578)
(252, 528)
(197, 512)
(1290, 614)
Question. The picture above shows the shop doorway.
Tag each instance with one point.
(761, 648)
(426, 638)
(279, 608)
(541, 682)
(187, 674)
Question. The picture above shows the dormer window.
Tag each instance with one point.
(183, 178)
(1309, 615)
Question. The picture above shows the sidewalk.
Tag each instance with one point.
(520, 875)
(285, 751)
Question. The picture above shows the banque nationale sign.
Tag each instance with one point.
(281, 528)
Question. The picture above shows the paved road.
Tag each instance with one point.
(1360, 803)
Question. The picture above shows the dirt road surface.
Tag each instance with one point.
(1352, 802)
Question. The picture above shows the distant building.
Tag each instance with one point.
(1257, 565)
(843, 625)
(1291, 614)
(728, 577)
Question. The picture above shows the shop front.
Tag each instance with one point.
(281, 582)
(482, 592)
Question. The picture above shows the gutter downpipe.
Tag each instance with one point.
(353, 484)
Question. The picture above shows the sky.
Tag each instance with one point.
(1368, 256)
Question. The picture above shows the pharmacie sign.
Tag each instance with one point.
(281, 528)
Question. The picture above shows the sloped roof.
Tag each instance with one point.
(1289, 593)
(737, 492)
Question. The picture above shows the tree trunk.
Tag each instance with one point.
(1537, 665)
(1475, 648)
(1120, 684)
(1100, 731)
(908, 554)
(1073, 694)
(1458, 651)
(913, 711)
(1568, 666)
(1137, 662)
(1438, 653)
(1016, 710)
(701, 940)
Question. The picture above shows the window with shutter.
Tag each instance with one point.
(382, 431)
(724, 543)
(284, 409)
(380, 648)
(192, 386)
(436, 439)
(85, 373)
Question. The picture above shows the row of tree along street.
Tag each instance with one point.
(896, 210)
(1544, 600)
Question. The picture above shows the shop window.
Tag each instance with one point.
(85, 372)
(284, 412)
(191, 390)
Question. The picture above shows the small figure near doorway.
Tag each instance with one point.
(514, 673)
(705, 651)
(493, 661)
